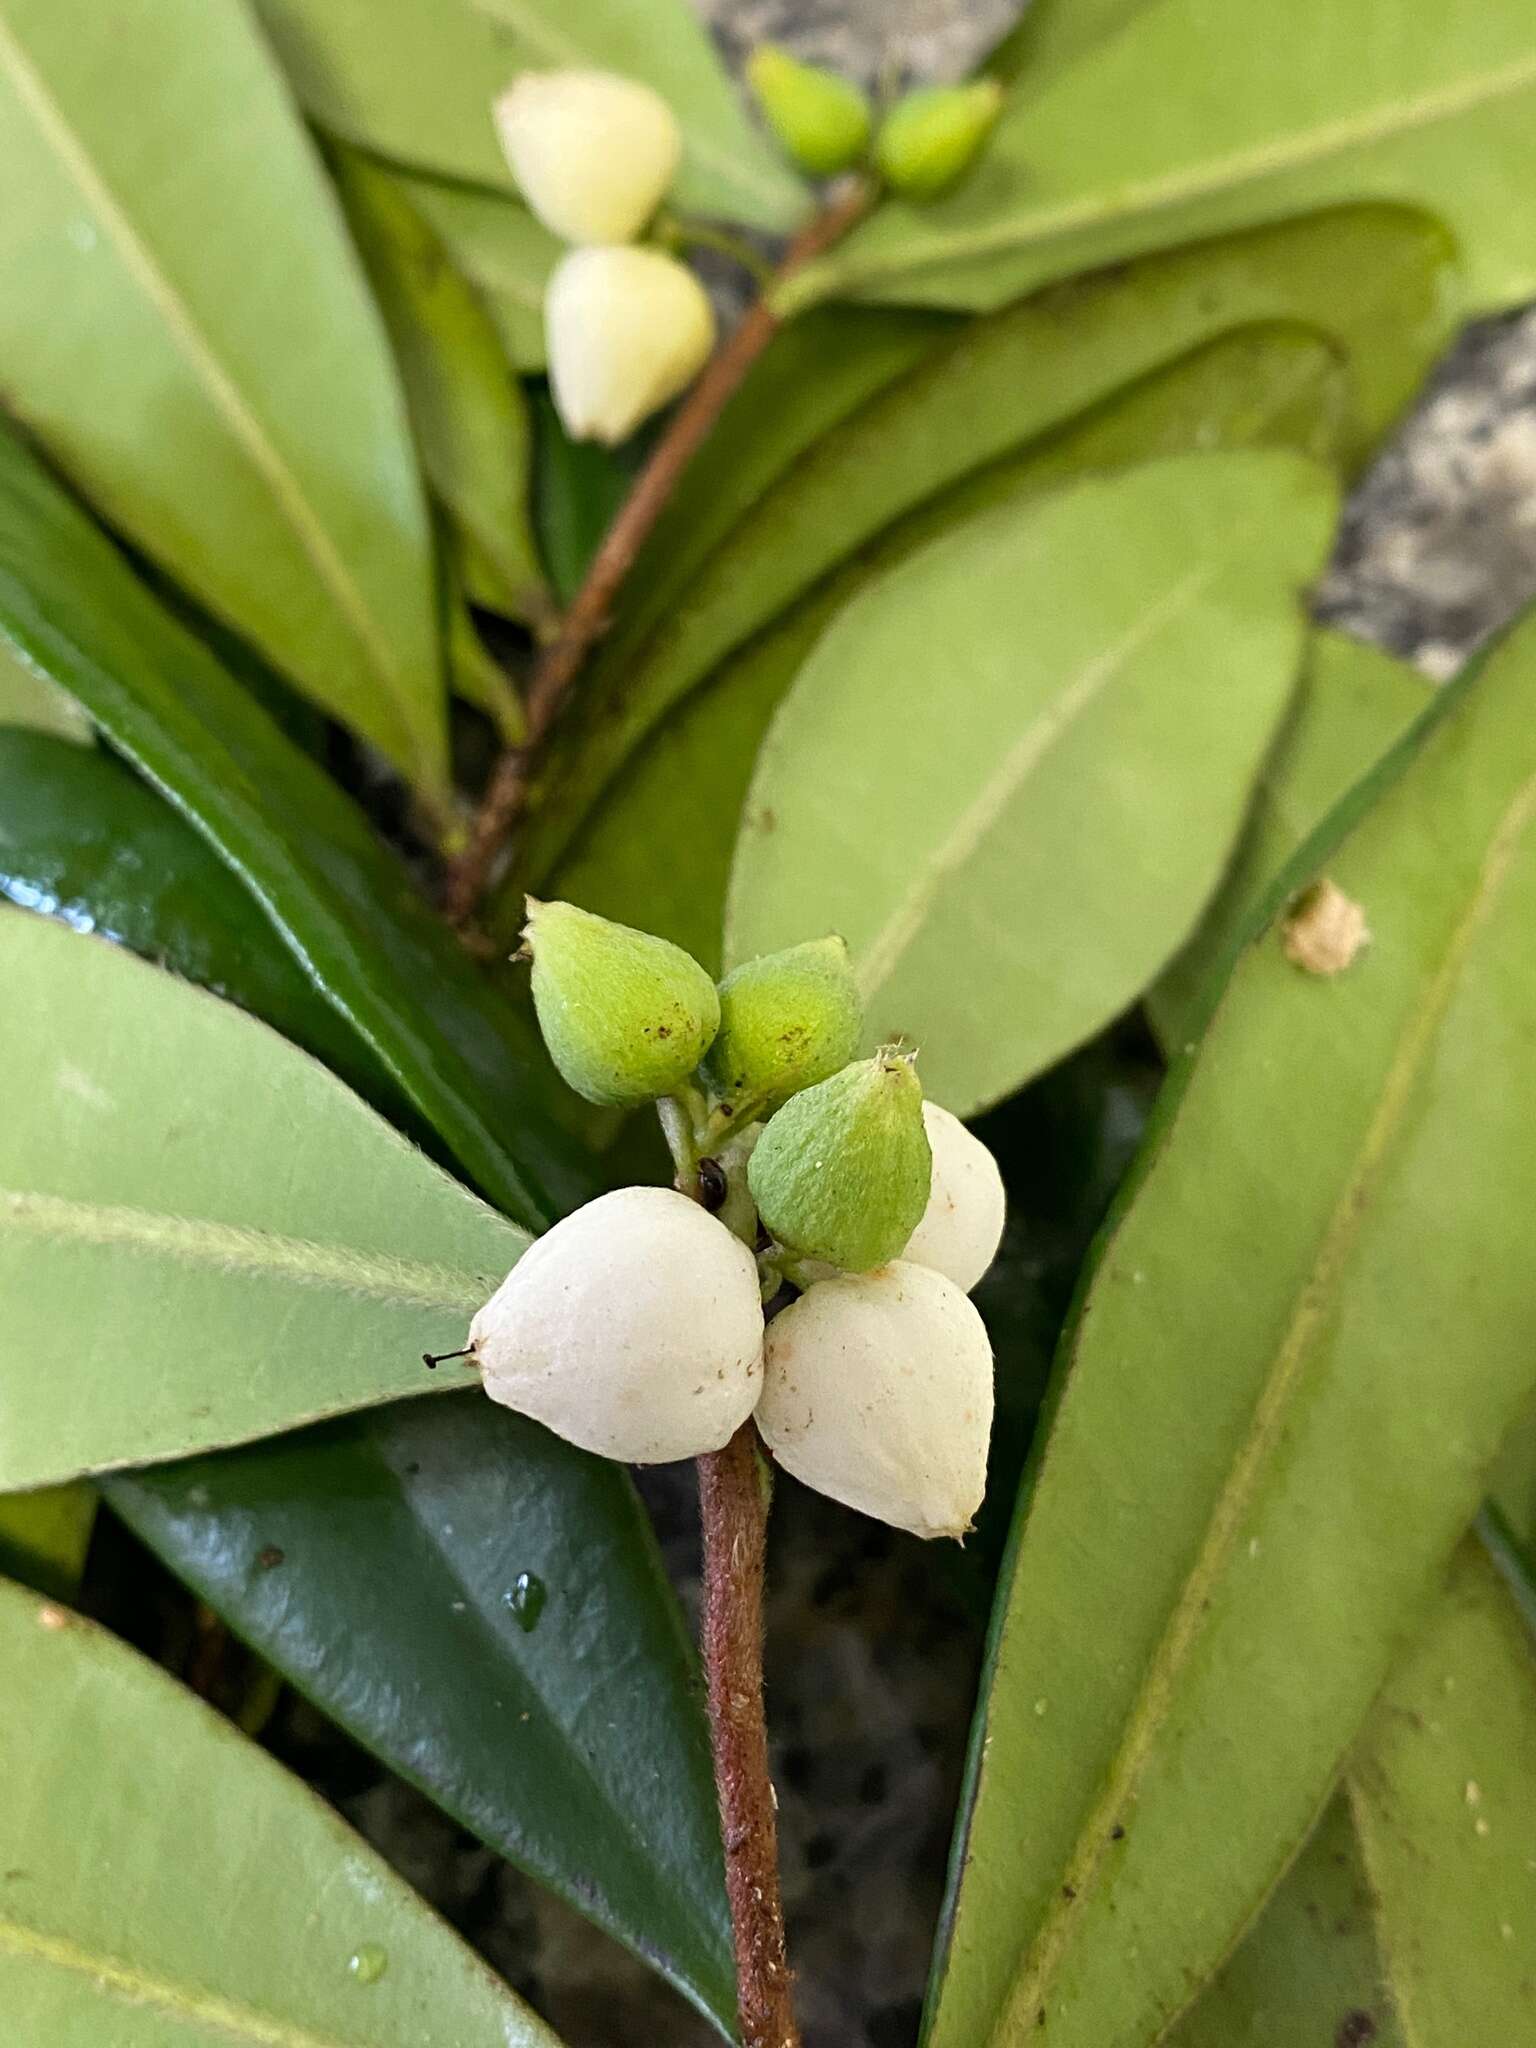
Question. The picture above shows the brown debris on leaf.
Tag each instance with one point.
(1324, 930)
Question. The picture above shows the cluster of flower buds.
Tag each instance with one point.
(636, 1327)
(922, 145)
(626, 326)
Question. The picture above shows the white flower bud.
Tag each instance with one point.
(625, 329)
(877, 1390)
(963, 1223)
(634, 1328)
(592, 153)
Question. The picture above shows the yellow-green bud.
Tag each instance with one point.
(627, 1017)
(842, 1172)
(822, 120)
(787, 1021)
(934, 134)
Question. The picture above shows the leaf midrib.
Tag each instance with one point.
(236, 1248)
(1200, 181)
(1187, 1622)
(245, 428)
(878, 961)
(190, 2005)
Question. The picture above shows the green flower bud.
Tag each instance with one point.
(842, 1172)
(934, 134)
(787, 1021)
(822, 120)
(627, 1017)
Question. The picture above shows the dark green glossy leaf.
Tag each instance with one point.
(1274, 1414)
(483, 1607)
(44, 1536)
(208, 366)
(1381, 100)
(578, 486)
(1262, 386)
(169, 1884)
(1373, 278)
(342, 904)
(32, 701)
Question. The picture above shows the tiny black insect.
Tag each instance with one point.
(713, 1186)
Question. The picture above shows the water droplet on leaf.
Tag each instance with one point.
(368, 1963)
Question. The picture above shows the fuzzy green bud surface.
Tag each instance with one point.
(822, 120)
(787, 1021)
(842, 1172)
(627, 1017)
(933, 135)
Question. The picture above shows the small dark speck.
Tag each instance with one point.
(663, 1030)
(1117, 1833)
(269, 1556)
(1069, 1891)
(1355, 2029)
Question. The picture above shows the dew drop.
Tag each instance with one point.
(368, 1963)
(526, 1597)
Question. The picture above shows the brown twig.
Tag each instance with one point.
(506, 795)
(734, 1517)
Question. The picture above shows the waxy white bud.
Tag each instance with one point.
(877, 1390)
(634, 1328)
(592, 153)
(963, 1223)
(625, 330)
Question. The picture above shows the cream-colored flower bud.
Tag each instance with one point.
(592, 153)
(877, 1390)
(634, 1328)
(626, 330)
(962, 1226)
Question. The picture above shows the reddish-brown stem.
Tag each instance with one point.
(506, 795)
(734, 1516)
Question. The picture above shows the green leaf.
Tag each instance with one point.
(211, 371)
(171, 1882)
(1382, 100)
(1055, 34)
(344, 907)
(1273, 386)
(414, 80)
(466, 407)
(1022, 850)
(377, 1564)
(230, 1241)
(1204, 1558)
(44, 1536)
(32, 701)
(1375, 279)
(503, 251)
(1513, 1487)
(83, 840)
(1355, 703)
(578, 487)
(1407, 1908)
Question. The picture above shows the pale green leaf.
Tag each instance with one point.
(1354, 704)
(170, 1883)
(33, 701)
(1188, 123)
(184, 326)
(1406, 1922)
(503, 251)
(466, 407)
(1372, 278)
(415, 79)
(1270, 386)
(1303, 1341)
(1014, 811)
(207, 1235)
(1055, 34)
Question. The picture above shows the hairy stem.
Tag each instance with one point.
(734, 1517)
(506, 795)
